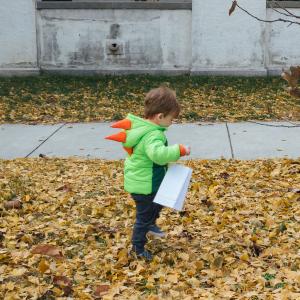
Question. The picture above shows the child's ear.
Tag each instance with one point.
(160, 116)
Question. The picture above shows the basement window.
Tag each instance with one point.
(114, 4)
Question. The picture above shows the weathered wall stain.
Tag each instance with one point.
(88, 52)
(50, 49)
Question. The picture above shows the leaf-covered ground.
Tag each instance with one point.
(238, 237)
(52, 99)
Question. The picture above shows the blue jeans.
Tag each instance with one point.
(146, 214)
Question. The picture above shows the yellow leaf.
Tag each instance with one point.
(191, 272)
(162, 279)
(139, 269)
(184, 256)
(253, 238)
(199, 265)
(43, 266)
(19, 272)
(272, 234)
(27, 198)
(10, 286)
(244, 256)
(57, 291)
(149, 285)
(172, 278)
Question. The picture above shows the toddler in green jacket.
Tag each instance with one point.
(146, 165)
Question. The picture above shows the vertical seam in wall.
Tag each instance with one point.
(59, 128)
(191, 42)
(37, 37)
(267, 29)
(230, 143)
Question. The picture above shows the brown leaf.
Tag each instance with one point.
(64, 188)
(101, 290)
(13, 204)
(102, 228)
(232, 8)
(295, 71)
(292, 81)
(2, 236)
(218, 262)
(49, 250)
(295, 92)
(256, 250)
(224, 175)
(64, 283)
(292, 77)
(294, 190)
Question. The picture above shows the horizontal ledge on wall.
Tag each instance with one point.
(123, 71)
(8, 72)
(162, 4)
(228, 72)
(284, 4)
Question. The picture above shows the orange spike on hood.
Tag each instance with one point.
(118, 137)
(124, 124)
(128, 150)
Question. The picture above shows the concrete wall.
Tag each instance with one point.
(145, 39)
(223, 44)
(18, 36)
(283, 42)
(204, 40)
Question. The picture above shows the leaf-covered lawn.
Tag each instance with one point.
(52, 99)
(238, 237)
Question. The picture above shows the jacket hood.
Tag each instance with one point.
(139, 127)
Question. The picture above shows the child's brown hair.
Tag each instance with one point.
(161, 100)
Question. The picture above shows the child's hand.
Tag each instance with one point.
(188, 150)
(184, 150)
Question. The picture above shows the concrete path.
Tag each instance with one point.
(246, 140)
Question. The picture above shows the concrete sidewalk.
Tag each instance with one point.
(246, 140)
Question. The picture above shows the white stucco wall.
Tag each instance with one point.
(283, 41)
(18, 34)
(205, 40)
(223, 43)
(148, 39)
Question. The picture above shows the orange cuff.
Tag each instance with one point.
(182, 150)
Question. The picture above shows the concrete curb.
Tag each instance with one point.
(10, 72)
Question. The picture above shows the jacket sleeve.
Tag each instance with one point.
(158, 152)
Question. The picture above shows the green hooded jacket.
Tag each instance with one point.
(146, 167)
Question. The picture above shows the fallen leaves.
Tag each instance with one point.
(43, 266)
(245, 256)
(58, 99)
(292, 78)
(63, 283)
(49, 250)
(237, 237)
(101, 290)
(13, 204)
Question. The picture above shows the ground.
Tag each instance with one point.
(237, 238)
(53, 99)
(66, 223)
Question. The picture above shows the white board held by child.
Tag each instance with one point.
(174, 186)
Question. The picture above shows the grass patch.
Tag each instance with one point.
(52, 99)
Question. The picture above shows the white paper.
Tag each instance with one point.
(174, 186)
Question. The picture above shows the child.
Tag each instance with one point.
(146, 165)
